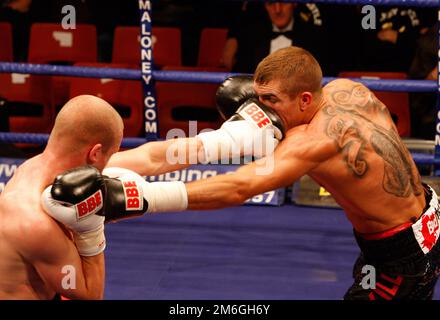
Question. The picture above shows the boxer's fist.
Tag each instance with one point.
(253, 111)
(76, 199)
(129, 195)
(232, 93)
(254, 130)
(125, 196)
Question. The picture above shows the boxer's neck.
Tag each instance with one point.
(320, 102)
(52, 163)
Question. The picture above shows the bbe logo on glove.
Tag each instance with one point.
(133, 196)
(253, 113)
(89, 206)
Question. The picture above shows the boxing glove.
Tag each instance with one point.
(232, 93)
(253, 111)
(82, 199)
(76, 199)
(129, 195)
(254, 130)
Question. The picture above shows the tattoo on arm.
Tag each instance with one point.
(349, 112)
(398, 176)
(349, 140)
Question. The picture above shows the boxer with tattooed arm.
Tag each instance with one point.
(344, 138)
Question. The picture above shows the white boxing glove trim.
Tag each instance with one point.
(115, 172)
(161, 196)
(90, 243)
(89, 240)
(166, 196)
(215, 143)
(237, 138)
(259, 124)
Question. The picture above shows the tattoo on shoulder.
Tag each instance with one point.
(349, 112)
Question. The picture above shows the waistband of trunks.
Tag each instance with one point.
(397, 243)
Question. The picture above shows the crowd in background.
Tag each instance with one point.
(405, 38)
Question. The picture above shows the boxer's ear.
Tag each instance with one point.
(95, 154)
(305, 100)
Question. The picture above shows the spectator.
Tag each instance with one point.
(390, 47)
(282, 25)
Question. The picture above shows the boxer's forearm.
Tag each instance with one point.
(154, 158)
(94, 276)
(217, 192)
(86, 279)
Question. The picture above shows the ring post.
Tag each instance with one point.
(148, 83)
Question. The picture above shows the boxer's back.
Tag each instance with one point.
(19, 211)
(371, 173)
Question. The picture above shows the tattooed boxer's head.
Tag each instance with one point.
(289, 81)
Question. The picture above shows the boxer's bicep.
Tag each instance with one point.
(288, 163)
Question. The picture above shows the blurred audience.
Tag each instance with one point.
(258, 32)
(391, 46)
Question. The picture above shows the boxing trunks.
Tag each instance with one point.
(402, 263)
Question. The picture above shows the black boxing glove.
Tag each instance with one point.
(232, 93)
(76, 199)
(83, 199)
(129, 195)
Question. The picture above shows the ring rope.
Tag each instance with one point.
(42, 138)
(191, 76)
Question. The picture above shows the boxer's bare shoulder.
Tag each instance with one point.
(361, 127)
(353, 96)
(28, 225)
(29, 238)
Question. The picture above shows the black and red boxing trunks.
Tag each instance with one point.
(405, 260)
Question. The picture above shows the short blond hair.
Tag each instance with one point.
(295, 67)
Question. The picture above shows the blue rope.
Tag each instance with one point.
(41, 139)
(188, 76)
(395, 85)
(71, 71)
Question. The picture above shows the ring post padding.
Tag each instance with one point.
(151, 124)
